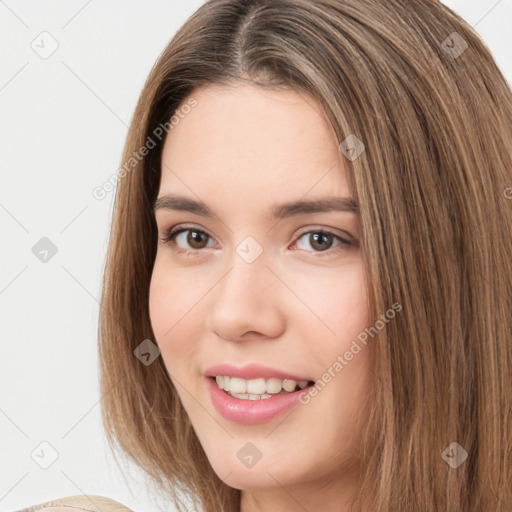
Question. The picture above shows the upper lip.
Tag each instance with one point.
(251, 371)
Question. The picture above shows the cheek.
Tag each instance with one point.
(161, 291)
(340, 303)
(173, 315)
(172, 295)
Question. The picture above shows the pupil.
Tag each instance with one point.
(324, 236)
(196, 237)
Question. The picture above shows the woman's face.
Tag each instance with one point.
(266, 290)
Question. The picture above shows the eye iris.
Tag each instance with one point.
(321, 236)
(194, 236)
(320, 241)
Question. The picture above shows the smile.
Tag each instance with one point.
(259, 388)
(255, 408)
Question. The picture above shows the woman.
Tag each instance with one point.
(306, 301)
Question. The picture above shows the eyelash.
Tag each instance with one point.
(172, 233)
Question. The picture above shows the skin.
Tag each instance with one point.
(241, 150)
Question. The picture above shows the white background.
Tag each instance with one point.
(63, 124)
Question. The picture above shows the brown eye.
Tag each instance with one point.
(321, 241)
(187, 239)
(196, 239)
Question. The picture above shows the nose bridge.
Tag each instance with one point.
(248, 274)
(241, 300)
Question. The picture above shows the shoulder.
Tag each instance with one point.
(80, 503)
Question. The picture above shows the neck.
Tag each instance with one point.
(328, 496)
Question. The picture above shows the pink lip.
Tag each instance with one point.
(250, 412)
(251, 371)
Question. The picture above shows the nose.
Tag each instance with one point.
(247, 303)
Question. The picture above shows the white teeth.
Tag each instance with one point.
(248, 396)
(238, 385)
(274, 385)
(256, 386)
(289, 385)
(253, 389)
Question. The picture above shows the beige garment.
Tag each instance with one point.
(80, 503)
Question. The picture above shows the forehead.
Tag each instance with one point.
(253, 140)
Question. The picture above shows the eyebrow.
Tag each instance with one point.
(281, 211)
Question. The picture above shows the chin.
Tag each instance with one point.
(251, 479)
(266, 472)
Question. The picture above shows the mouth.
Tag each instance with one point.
(258, 388)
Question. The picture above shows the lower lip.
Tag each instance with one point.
(251, 412)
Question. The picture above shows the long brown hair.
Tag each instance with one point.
(420, 89)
